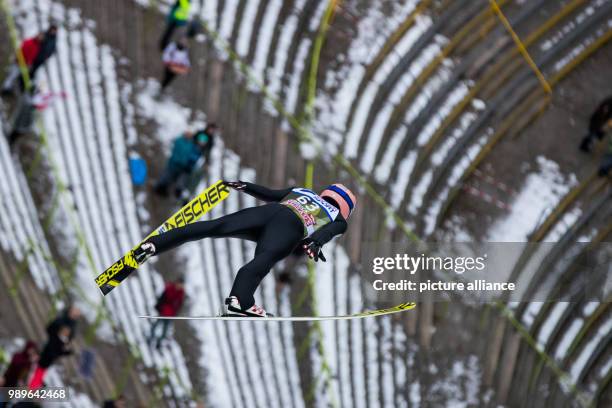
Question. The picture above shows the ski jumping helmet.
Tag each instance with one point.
(343, 197)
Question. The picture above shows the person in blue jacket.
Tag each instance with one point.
(186, 151)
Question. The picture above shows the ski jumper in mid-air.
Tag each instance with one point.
(291, 217)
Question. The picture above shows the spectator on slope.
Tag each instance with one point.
(57, 346)
(177, 17)
(597, 125)
(168, 304)
(36, 51)
(18, 370)
(176, 61)
(30, 102)
(30, 49)
(60, 333)
(205, 139)
(186, 151)
(69, 317)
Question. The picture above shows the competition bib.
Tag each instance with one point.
(314, 211)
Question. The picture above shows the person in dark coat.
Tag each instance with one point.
(57, 346)
(47, 49)
(186, 151)
(16, 374)
(30, 103)
(597, 125)
(205, 139)
(69, 317)
(169, 304)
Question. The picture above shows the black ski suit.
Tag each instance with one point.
(275, 228)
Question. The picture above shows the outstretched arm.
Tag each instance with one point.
(259, 192)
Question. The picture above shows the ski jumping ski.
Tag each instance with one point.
(403, 307)
(191, 212)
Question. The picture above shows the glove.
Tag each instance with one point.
(313, 250)
(236, 185)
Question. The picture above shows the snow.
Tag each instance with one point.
(440, 155)
(531, 313)
(387, 380)
(172, 119)
(17, 223)
(209, 13)
(568, 219)
(592, 341)
(570, 25)
(246, 27)
(456, 95)
(318, 16)
(266, 32)
(341, 272)
(356, 340)
(325, 300)
(419, 191)
(403, 178)
(383, 169)
(461, 386)
(293, 90)
(578, 49)
(456, 173)
(276, 73)
(333, 110)
(365, 103)
(228, 15)
(552, 320)
(605, 368)
(568, 337)
(542, 191)
(589, 308)
(415, 394)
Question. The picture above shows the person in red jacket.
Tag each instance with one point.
(168, 304)
(30, 48)
(16, 374)
(58, 345)
(36, 51)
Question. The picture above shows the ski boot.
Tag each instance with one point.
(232, 308)
(144, 252)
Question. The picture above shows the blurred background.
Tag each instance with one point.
(453, 120)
